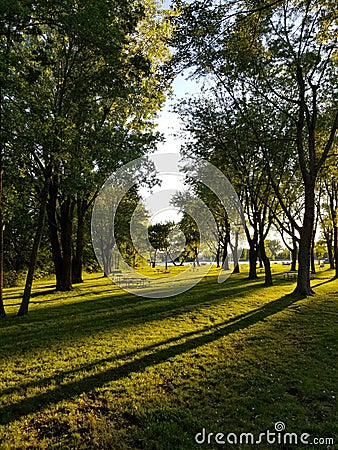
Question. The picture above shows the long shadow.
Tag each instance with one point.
(325, 282)
(73, 321)
(15, 411)
(59, 377)
(49, 289)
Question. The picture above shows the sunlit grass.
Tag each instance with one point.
(100, 368)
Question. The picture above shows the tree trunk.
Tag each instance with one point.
(329, 245)
(266, 262)
(335, 248)
(225, 263)
(196, 260)
(234, 251)
(53, 227)
(61, 246)
(236, 268)
(225, 259)
(260, 257)
(107, 261)
(312, 262)
(305, 245)
(2, 306)
(294, 255)
(79, 247)
(218, 253)
(172, 260)
(23, 310)
(64, 283)
(253, 259)
(153, 265)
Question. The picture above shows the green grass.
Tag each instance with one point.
(98, 368)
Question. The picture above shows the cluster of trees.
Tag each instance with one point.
(80, 85)
(180, 242)
(267, 115)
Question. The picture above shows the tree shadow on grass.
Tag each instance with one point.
(155, 355)
(79, 319)
(324, 282)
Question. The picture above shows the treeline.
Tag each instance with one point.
(267, 116)
(81, 83)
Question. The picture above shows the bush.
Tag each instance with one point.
(14, 278)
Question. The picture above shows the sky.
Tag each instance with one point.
(169, 126)
(168, 122)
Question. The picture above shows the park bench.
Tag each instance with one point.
(116, 272)
(291, 275)
(130, 282)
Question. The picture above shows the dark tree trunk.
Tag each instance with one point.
(196, 260)
(294, 255)
(64, 283)
(329, 244)
(236, 268)
(225, 263)
(23, 310)
(218, 255)
(234, 251)
(253, 259)
(172, 260)
(104, 257)
(53, 226)
(332, 191)
(305, 244)
(79, 247)
(61, 237)
(107, 262)
(153, 265)
(312, 262)
(225, 259)
(335, 248)
(266, 262)
(260, 257)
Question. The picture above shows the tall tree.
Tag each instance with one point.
(219, 132)
(90, 87)
(331, 187)
(284, 53)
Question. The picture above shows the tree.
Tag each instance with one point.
(285, 54)
(191, 232)
(275, 247)
(218, 132)
(158, 236)
(330, 222)
(114, 212)
(89, 88)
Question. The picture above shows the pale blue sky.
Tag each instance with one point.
(168, 122)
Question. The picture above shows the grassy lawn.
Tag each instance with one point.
(99, 368)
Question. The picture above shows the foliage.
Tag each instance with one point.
(159, 238)
(276, 62)
(81, 85)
